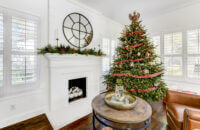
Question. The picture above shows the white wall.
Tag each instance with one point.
(25, 105)
(177, 19)
(102, 26)
(180, 19)
(19, 107)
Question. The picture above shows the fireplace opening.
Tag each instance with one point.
(77, 89)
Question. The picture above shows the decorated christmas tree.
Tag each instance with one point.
(136, 66)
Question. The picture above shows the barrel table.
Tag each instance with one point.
(107, 116)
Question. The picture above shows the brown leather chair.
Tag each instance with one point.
(183, 111)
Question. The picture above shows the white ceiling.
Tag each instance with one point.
(118, 10)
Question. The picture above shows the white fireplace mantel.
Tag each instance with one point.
(63, 68)
(58, 60)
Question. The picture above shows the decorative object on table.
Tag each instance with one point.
(119, 99)
(77, 30)
(119, 93)
(113, 118)
(75, 92)
(126, 102)
(62, 49)
(140, 78)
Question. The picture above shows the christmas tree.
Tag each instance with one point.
(136, 66)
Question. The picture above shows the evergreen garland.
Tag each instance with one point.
(62, 49)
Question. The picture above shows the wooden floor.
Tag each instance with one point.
(40, 122)
(158, 120)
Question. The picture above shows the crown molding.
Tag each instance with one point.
(174, 8)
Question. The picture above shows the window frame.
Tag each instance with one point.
(7, 87)
(184, 78)
(110, 57)
(172, 54)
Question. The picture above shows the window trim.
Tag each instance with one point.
(110, 50)
(184, 78)
(7, 53)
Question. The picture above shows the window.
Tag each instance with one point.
(113, 48)
(24, 39)
(156, 42)
(173, 54)
(193, 54)
(108, 48)
(18, 53)
(180, 52)
(1, 50)
(106, 51)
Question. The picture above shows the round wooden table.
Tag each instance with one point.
(141, 113)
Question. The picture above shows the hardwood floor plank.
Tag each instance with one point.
(40, 122)
(158, 120)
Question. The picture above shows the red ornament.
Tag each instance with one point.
(147, 54)
(127, 33)
(62, 49)
(108, 89)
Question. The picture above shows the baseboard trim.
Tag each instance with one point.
(23, 116)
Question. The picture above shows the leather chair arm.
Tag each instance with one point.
(191, 120)
(183, 98)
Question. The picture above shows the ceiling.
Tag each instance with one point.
(118, 10)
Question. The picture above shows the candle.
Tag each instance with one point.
(56, 33)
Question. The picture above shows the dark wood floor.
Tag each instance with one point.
(158, 120)
(41, 122)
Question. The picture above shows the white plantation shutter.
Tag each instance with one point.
(156, 42)
(1, 32)
(24, 39)
(23, 69)
(113, 48)
(108, 48)
(193, 41)
(18, 51)
(173, 54)
(1, 50)
(173, 66)
(180, 53)
(106, 59)
(173, 43)
(193, 67)
(24, 35)
(193, 51)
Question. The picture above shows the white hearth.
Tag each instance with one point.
(62, 69)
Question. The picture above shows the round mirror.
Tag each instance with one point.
(77, 30)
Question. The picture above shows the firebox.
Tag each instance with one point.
(77, 89)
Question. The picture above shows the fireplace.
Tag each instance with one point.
(64, 70)
(77, 89)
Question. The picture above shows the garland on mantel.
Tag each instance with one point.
(62, 49)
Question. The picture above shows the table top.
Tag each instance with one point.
(140, 113)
